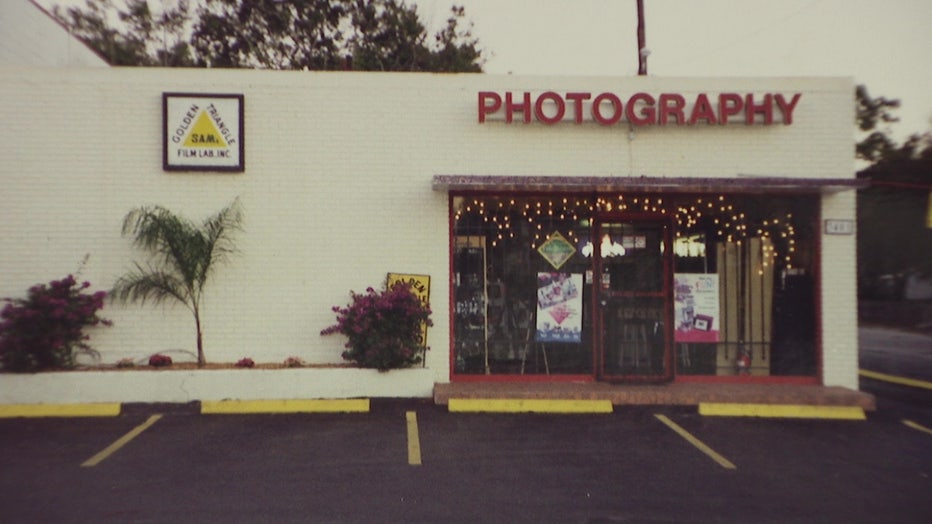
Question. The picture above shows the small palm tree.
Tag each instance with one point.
(183, 256)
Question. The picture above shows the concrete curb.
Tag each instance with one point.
(113, 409)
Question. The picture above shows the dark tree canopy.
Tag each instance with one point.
(894, 235)
(871, 113)
(366, 35)
(894, 239)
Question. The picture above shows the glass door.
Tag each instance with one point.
(634, 298)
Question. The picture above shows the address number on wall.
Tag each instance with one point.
(839, 227)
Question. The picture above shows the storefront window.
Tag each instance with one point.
(504, 271)
(744, 287)
(728, 278)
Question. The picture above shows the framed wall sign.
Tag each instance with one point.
(202, 132)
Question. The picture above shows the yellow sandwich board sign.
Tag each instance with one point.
(420, 286)
(202, 132)
(929, 211)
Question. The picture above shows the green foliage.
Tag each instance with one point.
(269, 35)
(182, 257)
(383, 329)
(45, 330)
(370, 35)
(893, 238)
(388, 36)
(870, 113)
(140, 39)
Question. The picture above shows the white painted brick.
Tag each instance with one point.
(337, 188)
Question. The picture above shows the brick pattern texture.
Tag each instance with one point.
(337, 188)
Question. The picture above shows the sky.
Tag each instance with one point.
(884, 44)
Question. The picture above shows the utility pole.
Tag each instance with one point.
(642, 49)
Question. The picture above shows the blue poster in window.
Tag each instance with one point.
(559, 307)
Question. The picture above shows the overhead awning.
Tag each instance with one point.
(609, 184)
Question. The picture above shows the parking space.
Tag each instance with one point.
(626, 466)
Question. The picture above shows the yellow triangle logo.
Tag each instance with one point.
(204, 134)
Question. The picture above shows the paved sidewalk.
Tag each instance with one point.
(684, 394)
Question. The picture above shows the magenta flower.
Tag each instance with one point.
(45, 330)
(384, 329)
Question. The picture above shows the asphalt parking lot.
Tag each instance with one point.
(413, 461)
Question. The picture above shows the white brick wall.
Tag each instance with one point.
(337, 187)
(839, 296)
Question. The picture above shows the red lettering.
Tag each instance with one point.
(672, 104)
(577, 99)
(641, 109)
(485, 108)
(539, 107)
(524, 107)
(729, 104)
(787, 107)
(765, 108)
(597, 109)
(647, 114)
(702, 110)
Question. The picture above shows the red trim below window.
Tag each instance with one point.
(745, 379)
(522, 378)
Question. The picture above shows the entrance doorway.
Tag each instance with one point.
(633, 294)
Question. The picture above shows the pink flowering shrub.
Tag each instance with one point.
(160, 361)
(383, 328)
(45, 330)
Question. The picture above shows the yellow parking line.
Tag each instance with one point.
(920, 427)
(728, 409)
(903, 381)
(414, 440)
(504, 405)
(722, 461)
(120, 442)
(341, 405)
(104, 409)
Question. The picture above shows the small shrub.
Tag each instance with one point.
(160, 361)
(294, 362)
(383, 329)
(245, 363)
(126, 363)
(45, 330)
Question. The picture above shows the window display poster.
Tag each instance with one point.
(696, 307)
(559, 307)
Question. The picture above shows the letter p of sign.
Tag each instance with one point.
(489, 103)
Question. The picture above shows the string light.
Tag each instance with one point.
(707, 218)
